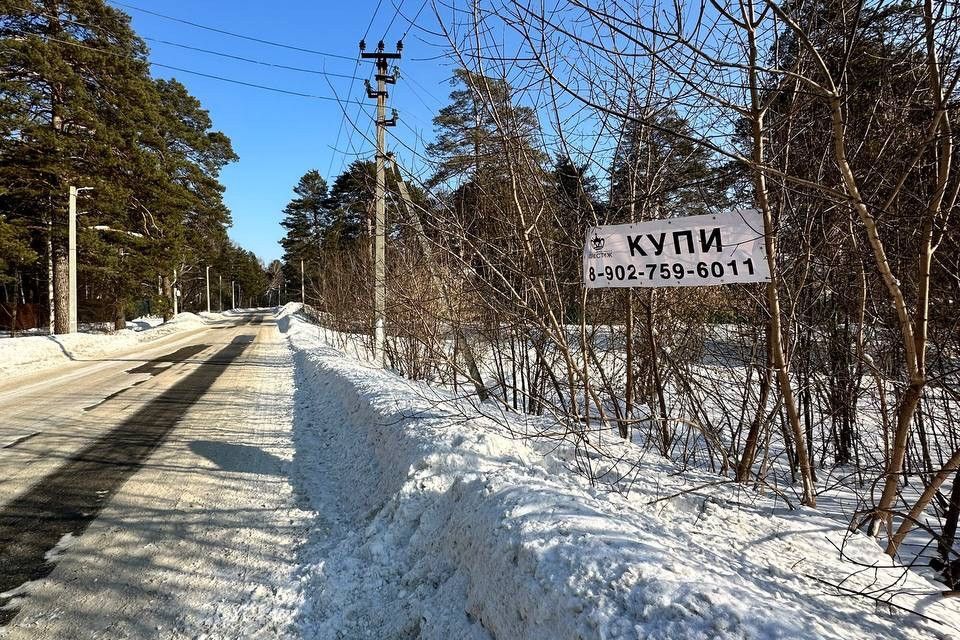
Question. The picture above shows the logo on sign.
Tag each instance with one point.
(597, 242)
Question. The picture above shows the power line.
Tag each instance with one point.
(250, 60)
(201, 74)
(202, 50)
(365, 135)
(343, 117)
(412, 22)
(230, 33)
(427, 91)
(351, 148)
(253, 85)
(390, 24)
(372, 18)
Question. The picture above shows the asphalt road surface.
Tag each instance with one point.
(146, 494)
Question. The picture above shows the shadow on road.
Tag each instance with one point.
(241, 458)
(67, 500)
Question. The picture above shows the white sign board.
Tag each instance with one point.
(694, 251)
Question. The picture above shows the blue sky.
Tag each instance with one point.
(279, 137)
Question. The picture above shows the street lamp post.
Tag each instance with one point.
(72, 257)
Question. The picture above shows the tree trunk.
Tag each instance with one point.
(664, 427)
(168, 294)
(61, 290)
(950, 467)
(119, 317)
(777, 350)
(50, 300)
(775, 331)
(949, 533)
(753, 435)
(16, 303)
(628, 392)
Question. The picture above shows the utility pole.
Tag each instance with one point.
(174, 291)
(233, 296)
(72, 256)
(208, 288)
(220, 293)
(382, 59)
(303, 298)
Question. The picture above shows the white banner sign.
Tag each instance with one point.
(694, 251)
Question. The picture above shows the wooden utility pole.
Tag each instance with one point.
(382, 59)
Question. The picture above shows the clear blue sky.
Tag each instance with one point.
(279, 137)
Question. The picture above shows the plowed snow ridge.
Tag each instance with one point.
(433, 523)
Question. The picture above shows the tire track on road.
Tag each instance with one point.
(67, 500)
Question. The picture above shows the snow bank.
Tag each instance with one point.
(433, 523)
(29, 354)
(144, 322)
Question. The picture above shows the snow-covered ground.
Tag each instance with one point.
(25, 355)
(432, 521)
(384, 508)
(137, 324)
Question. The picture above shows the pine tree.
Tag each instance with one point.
(307, 219)
(485, 152)
(75, 77)
(185, 198)
(15, 249)
(481, 130)
(351, 201)
(658, 172)
(78, 107)
(577, 206)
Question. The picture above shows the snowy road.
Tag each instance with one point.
(145, 494)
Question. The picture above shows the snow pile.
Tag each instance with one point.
(29, 354)
(433, 523)
(286, 312)
(144, 322)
